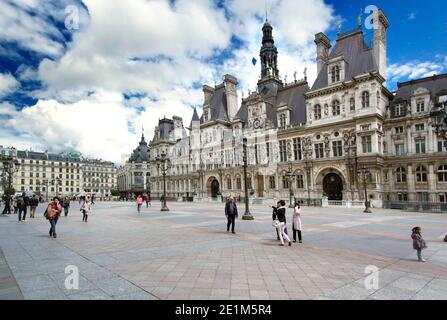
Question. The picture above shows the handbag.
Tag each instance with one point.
(275, 223)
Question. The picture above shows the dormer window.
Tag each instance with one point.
(205, 115)
(365, 99)
(335, 73)
(398, 110)
(282, 120)
(317, 112)
(335, 108)
(420, 106)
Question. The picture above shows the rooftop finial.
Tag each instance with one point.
(339, 25)
(359, 19)
(266, 12)
(305, 73)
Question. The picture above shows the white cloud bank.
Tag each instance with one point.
(154, 48)
(7, 84)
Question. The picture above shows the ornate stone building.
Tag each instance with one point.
(310, 141)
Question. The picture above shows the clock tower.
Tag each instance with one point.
(269, 80)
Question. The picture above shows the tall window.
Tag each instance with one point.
(300, 181)
(335, 108)
(442, 173)
(398, 110)
(420, 127)
(365, 99)
(319, 150)
(268, 147)
(398, 130)
(420, 106)
(442, 145)
(366, 144)
(229, 183)
(335, 76)
(420, 145)
(282, 120)
(272, 182)
(297, 149)
(238, 183)
(421, 174)
(401, 175)
(317, 112)
(285, 182)
(337, 148)
(352, 104)
(283, 151)
(400, 149)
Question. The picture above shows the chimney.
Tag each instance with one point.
(381, 24)
(231, 93)
(323, 45)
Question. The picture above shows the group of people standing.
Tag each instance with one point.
(143, 198)
(278, 216)
(20, 205)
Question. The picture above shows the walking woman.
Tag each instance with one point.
(296, 224)
(52, 214)
(275, 217)
(281, 214)
(139, 203)
(85, 209)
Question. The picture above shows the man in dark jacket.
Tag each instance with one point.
(7, 202)
(22, 205)
(275, 217)
(231, 214)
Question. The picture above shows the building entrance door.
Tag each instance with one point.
(215, 190)
(333, 186)
(260, 186)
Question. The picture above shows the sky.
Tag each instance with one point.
(88, 75)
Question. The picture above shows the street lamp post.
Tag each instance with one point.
(439, 119)
(247, 215)
(10, 167)
(364, 175)
(308, 165)
(289, 177)
(351, 158)
(163, 164)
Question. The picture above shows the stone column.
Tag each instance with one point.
(409, 141)
(432, 182)
(411, 183)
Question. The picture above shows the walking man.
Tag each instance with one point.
(22, 205)
(34, 202)
(66, 205)
(231, 214)
(7, 202)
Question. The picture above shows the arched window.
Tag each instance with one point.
(317, 112)
(442, 173)
(335, 108)
(421, 174)
(365, 99)
(401, 175)
(229, 187)
(335, 73)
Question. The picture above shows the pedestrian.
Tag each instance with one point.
(14, 204)
(275, 217)
(22, 205)
(418, 242)
(66, 205)
(296, 223)
(231, 214)
(281, 212)
(34, 202)
(52, 214)
(93, 199)
(85, 209)
(7, 202)
(139, 203)
(148, 201)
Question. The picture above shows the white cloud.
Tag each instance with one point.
(414, 70)
(7, 84)
(173, 44)
(412, 16)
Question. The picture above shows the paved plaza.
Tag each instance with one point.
(187, 254)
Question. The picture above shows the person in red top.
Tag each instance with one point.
(139, 203)
(52, 213)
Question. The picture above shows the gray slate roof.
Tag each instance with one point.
(218, 105)
(141, 153)
(435, 84)
(41, 156)
(358, 55)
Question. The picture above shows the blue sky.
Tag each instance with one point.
(120, 70)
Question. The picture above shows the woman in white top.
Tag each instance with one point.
(296, 224)
(85, 209)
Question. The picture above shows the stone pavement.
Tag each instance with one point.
(9, 290)
(187, 254)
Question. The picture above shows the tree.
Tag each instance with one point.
(114, 193)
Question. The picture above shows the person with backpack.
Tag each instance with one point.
(34, 202)
(52, 214)
(66, 205)
(281, 212)
(22, 206)
(296, 223)
(418, 242)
